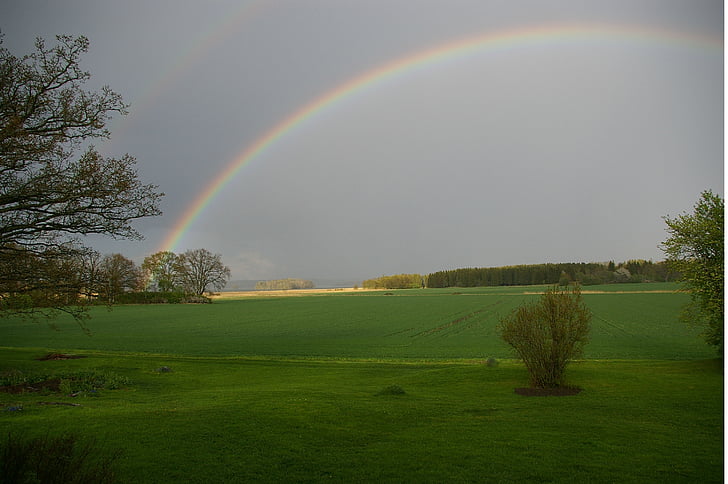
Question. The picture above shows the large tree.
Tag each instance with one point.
(694, 249)
(118, 275)
(159, 271)
(54, 187)
(200, 270)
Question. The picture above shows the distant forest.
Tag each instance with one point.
(283, 284)
(585, 273)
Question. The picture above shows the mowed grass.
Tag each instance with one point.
(288, 390)
(275, 420)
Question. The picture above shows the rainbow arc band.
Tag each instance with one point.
(419, 62)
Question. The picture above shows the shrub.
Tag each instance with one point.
(61, 459)
(547, 334)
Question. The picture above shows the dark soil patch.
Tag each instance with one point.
(59, 356)
(52, 385)
(548, 392)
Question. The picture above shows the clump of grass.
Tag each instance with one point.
(89, 381)
(55, 459)
(86, 381)
(392, 390)
(18, 377)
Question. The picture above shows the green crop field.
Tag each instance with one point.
(293, 389)
(424, 324)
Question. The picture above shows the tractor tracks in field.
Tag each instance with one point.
(613, 326)
(459, 324)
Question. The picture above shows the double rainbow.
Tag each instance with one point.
(463, 48)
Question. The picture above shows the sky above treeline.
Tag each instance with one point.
(351, 139)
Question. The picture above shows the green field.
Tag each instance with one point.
(286, 389)
(420, 324)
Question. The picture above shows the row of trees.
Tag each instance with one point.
(283, 284)
(398, 281)
(563, 274)
(31, 282)
(526, 275)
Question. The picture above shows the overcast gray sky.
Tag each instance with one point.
(567, 149)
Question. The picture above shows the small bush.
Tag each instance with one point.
(63, 459)
(548, 334)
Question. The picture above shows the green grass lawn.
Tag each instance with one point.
(273, 420)
(287, 390)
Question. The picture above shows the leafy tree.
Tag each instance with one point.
(694, 249)
(199, 269)
(547, 334)
(119, 274)
(564, 279)
(159, 270)
(51, 189)
(33, 283)
(91, 274)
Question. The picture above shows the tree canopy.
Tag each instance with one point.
(694, 248)
(200, 270)
(54, 186)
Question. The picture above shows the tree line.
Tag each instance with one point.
(283, 284)
(89, 277)
(398, 281)
(554, 273)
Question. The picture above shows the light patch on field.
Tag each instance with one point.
(286, 292)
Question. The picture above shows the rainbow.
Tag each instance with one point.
(205, 41)
(418, 62)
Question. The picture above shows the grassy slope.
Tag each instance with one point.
(243, 420)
